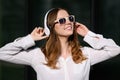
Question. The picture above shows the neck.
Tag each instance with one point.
(65, 48)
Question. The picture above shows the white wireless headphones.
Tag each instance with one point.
(47, 31)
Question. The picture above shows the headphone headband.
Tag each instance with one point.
(47, 31)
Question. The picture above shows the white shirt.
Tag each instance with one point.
(102, 49)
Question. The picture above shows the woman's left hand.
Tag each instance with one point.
(81, 29)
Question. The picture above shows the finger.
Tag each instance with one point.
(44, 37)
(80, 26)
(77, 24)
(34, 30)
(37, 31)
(40, 29)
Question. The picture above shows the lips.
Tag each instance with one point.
(68, 28)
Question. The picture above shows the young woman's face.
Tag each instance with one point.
(65, 26)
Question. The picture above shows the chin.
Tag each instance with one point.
(69, 34)
(66, 34)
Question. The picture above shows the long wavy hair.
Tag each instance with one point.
(52, 48)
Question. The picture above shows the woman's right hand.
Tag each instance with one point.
(38, 34)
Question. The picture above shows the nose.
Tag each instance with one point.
(67, 21)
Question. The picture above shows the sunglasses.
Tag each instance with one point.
(71, 18)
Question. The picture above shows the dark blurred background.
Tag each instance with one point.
(19, 17)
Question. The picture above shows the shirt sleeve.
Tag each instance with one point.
(102, 48)
(16, 52)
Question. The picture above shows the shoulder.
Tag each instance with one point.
(86, 51)
(37, 52)
(38, 56)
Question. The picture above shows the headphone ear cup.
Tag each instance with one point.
(47, 31)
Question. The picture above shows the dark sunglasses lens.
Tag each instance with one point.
(71, 18)
(62, 21)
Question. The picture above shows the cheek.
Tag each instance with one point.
(58, 30)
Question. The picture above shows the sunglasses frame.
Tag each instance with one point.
(65, 18)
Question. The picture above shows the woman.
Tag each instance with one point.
(62, 58)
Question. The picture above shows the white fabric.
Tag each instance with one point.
(17, 52)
